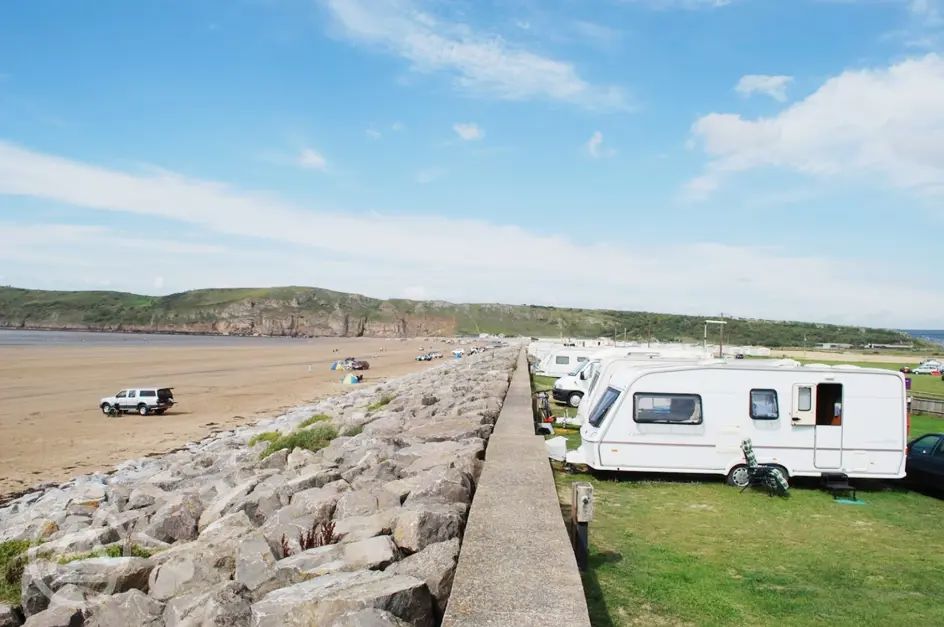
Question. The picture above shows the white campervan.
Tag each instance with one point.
(693, 418)
(562, 361)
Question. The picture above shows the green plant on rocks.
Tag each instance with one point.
(314, 419)
(12, 563)
(352, 430)
(381, 402)
(313, 439)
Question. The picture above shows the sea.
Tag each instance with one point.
(925, 334)
(16, 337)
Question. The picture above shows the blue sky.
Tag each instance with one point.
(752, 157)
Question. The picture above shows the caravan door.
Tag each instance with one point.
(828, 441)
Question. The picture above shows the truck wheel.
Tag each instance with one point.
(738, 476)
(106, 408)
(143, 409)
(574, 399)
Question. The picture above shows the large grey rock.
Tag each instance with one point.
(364, 503)
(277, 460)
(437, 485)
(255, 563)
(58, 616)
(226, 604)
(427, 523)
(363, 527)
(146, 495)
(177, 520)
(370, 617)
(323, 600)
(372, 553)
(314, 478)
(221, 504)
(105, 575)
(127, 608)
(77, 542)
(193, 568)
(436, 565)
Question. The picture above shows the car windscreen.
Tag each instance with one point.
(603, 407)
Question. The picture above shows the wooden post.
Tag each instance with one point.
(581, 513)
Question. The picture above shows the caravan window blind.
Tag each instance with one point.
(682, 409)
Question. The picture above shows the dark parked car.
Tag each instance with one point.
(925, 464)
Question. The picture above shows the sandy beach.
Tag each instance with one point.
(52, 429)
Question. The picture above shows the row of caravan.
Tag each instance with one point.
(690, 415)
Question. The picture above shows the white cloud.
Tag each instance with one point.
(882, 124)
(773, 86)
(595, 147)
(311, 159)
(373, 133)
(386, 255)
(481, 63)
(468, 131)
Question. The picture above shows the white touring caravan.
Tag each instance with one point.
(562, 361)
(572, 387)
(693, 417)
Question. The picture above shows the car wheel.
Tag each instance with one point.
(143, 409)
(106, 408)
(574, 399)
(739, 476)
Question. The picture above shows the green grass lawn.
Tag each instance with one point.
(700, 552)
(925, 424)
(679, 550)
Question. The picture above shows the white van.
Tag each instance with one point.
(693, 417)
(562, 361)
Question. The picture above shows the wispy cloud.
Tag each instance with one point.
(481, 63)
(386, 254)
(311, 159)
(773, 86)
(595, 147)
(883, 125)
(468, 131)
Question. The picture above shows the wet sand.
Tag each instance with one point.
(52, 429)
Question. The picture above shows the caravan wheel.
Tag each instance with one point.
(738, 476)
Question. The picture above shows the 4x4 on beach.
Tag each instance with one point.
(142, 400)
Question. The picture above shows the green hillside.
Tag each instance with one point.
(306, 311)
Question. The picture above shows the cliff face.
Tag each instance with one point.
(303, 315)
(307, 311)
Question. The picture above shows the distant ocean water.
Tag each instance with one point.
(925, 334)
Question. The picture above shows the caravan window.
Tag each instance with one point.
(764, 405)
(580, 360)
(667, 408)
(806, 399)
(603, 407)
(562, 360)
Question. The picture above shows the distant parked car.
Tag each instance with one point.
(144, 400)
(925, 462)
(927, 369)
(424, 357)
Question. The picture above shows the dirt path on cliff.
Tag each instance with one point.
(51, 428)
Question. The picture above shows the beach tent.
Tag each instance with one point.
(334, 365)
(350, 379)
